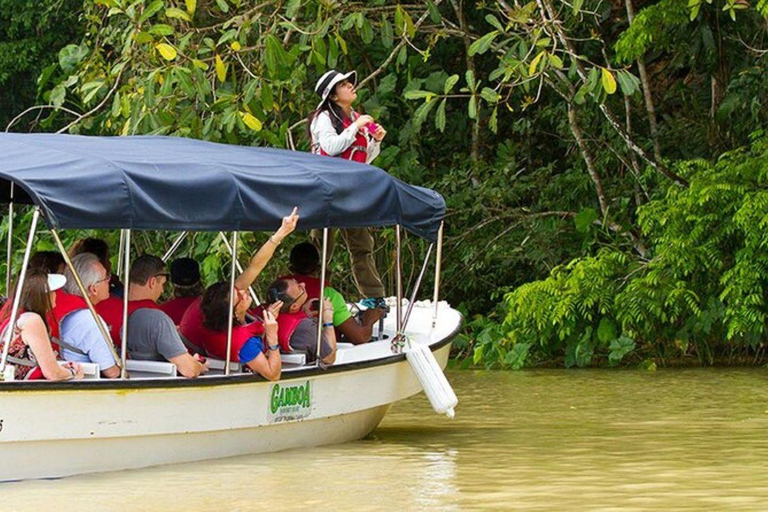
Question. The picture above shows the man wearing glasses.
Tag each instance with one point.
(297, 322)
(152, 335)
(81, 339)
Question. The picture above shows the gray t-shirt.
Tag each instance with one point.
(304, 340)
(152, 336)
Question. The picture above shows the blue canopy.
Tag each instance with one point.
(172, 183)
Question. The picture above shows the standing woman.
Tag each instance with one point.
(335, 129)
(31, 352)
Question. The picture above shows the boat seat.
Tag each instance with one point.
(218, 364)
(161, 368)
(344, 346)
(294, 359)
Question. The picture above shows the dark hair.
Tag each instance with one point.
(95, 246)
(335, 112)
(48, 261)
(215, 307)
(34, 295)
(145, 267)
(278, 290)
(304, 259)
(195, 290)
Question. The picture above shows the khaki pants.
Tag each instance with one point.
(360, 245)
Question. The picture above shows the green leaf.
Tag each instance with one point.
(418, 94)
(440, 116)
(556, 61)
(90, 89)
(174, 12)
(434, 14)
(423, 111)
(606, 331)
(619, 348)
(609, 83)
(223, 6)
(518, 356)
(471, 80)
(584, 219)
(161, 29)
(489, 95)
(58, 94)
(481, 45)
(267, 98)
(472, 107)
(71, 55)
(628, 82)
(577, 5)
(191, 6)
(167, 51)
(494, 22)
(493, 122)
(151, 10)
(449, 83)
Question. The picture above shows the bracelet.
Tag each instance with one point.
(272, 239)
(328, 324)
(71, 372)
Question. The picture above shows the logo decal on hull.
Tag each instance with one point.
(290, 402)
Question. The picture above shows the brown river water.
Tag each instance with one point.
(682, 439)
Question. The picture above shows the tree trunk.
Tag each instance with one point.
(585, 153)
(647, 96)
(457, 8)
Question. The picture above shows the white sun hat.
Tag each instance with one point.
(56, 281)
(326, 83)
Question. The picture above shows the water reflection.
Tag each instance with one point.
(540, 440)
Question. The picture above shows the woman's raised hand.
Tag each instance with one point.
(288, 225)
(270, 321)
(363, 120)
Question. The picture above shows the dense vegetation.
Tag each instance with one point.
(603, 161)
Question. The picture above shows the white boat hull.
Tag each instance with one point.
(49, 430)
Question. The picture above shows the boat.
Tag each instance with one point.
(150, 416)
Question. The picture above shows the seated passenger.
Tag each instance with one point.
(185, 277)
(297, 323)
(31, 351)
(205, 322)
(51, 262)
(305, 262)
(100, 248)
(81, 339)
(152, 335)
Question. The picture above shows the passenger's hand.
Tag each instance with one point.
(288, 225)
(363, 120)
(327, 311)
(243, 301)
(379, 134)
(77, 368)
(275, 308)
(270, 325)
(200, 359)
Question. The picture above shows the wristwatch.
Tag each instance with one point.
(328, 324)
(273, 347)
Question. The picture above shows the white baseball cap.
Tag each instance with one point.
(326, 83)
(56, 281)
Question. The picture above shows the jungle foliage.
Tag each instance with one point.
(601, 159)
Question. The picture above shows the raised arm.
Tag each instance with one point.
(263, 255)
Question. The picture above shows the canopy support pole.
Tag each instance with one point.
(239, 268)
(323, 266)
(416, 289)
(126, 292)
(175, 245)
(120, 252)
(9, 255)
(17, 295)
(438, 263)
(398, 281)
(88, 302)
(230, 319)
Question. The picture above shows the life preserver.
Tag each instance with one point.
(175, 308)
(358, 150)
(111, 311)
(214, 343)
(66, 303)
(27, 367)
(286, 324)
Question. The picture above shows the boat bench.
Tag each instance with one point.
(156, 368)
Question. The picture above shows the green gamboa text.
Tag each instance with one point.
(289, 395)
